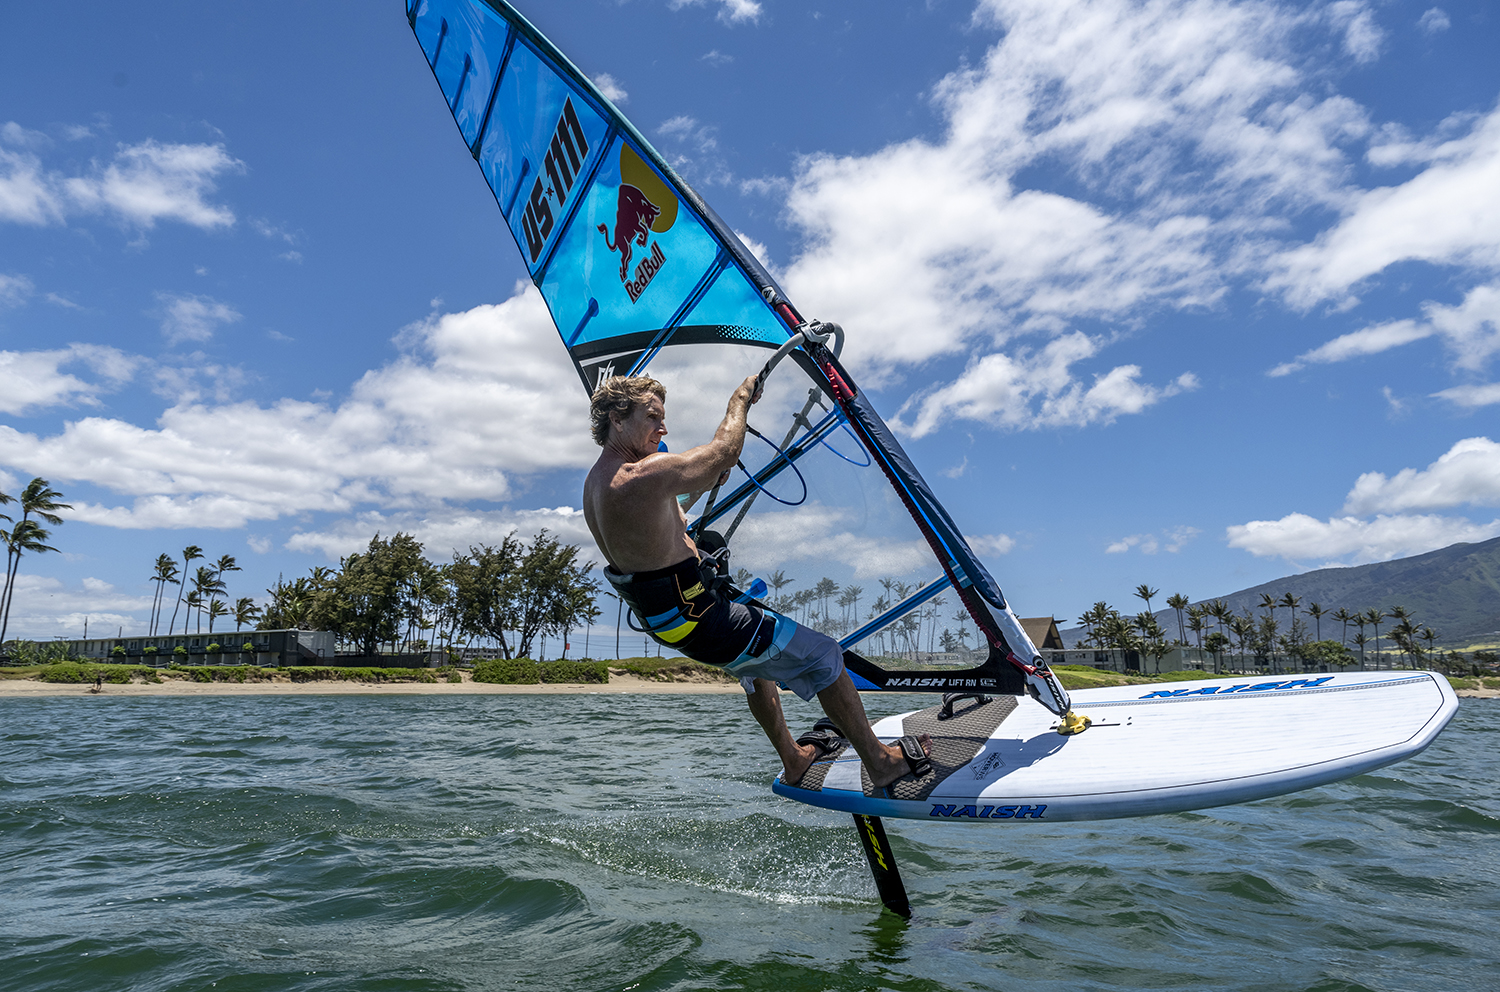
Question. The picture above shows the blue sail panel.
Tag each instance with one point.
(464, 44)
(626, 256)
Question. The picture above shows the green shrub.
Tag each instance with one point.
(574, 671)
(215, 648)
(222, 673)
(327, 673)
(455, 677)
(508, 671)
(71, 672)
(118, 651)
(150, 651)
(248, 648)
(179, 652)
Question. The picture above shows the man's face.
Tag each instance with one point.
(642, 431)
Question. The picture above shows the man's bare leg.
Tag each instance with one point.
(841, 702)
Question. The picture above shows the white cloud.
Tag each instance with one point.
(1471, 395)
(14, 289)
(1448, 214)
(1434, 20)
(1037, 390)
(1471, 330)
(1467, 473)
(992, 544)
(140, 185)
(1172, 541)
(611, 88)
(186, 317)
(33, 380)
(1299, 537)
(823, 536)
(45, 608)
(730, 11)
(1362, 36)
(1187, 134)
(446, 530)
(474, 399)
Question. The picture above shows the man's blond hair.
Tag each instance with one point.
(620, 394)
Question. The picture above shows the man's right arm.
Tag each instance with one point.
(697, 469)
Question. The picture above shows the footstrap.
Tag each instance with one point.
(917, 759)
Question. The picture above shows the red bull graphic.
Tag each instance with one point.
(633, 219)
(644, 205)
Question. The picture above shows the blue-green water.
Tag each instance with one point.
(617, 843)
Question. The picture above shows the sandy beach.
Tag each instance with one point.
(619, 682)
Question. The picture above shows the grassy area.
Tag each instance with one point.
(1473, 683)
(671, 670)
(524, 671)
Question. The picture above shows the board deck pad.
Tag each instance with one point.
(955, 741)
(812, 779)
(1152, 748)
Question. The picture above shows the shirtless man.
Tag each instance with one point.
(631, 502)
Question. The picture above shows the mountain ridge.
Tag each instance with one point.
(1454, 590)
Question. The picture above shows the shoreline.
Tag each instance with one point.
(620, 683)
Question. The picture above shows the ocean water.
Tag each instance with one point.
(632, 843)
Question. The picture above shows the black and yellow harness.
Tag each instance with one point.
(693, 607)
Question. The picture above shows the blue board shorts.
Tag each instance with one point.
(683, 607)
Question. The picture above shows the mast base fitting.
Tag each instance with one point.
(1073, 723)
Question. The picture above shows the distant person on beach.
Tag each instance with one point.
(634, 503)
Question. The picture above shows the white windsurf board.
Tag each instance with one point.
(1156, 748)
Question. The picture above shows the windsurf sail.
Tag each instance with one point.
(637, 270)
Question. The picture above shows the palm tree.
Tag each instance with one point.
(1269, 603)
(245, 612)
(1374, 616)
(1316, 612)
(1360, 640)
(1179, 602)
(166, 571)
(1344, 617)
(39, 500)
(190, 554)
(226, 563)
(216, 609)
(26, 535)
(1291, 602)
(1429, 635)
(207, 585)
(1195, 623)
(194, 602)
(1145, 592)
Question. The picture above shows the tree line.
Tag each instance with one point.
(1217, 629)
(390, 594)
(200, 594)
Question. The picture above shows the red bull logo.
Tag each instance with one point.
(634, 216)
(645, 204)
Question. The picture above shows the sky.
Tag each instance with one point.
(1191, 294)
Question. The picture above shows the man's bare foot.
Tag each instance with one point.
(792, 771)
(894, 765)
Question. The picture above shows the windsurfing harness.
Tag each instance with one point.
(690, 607)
